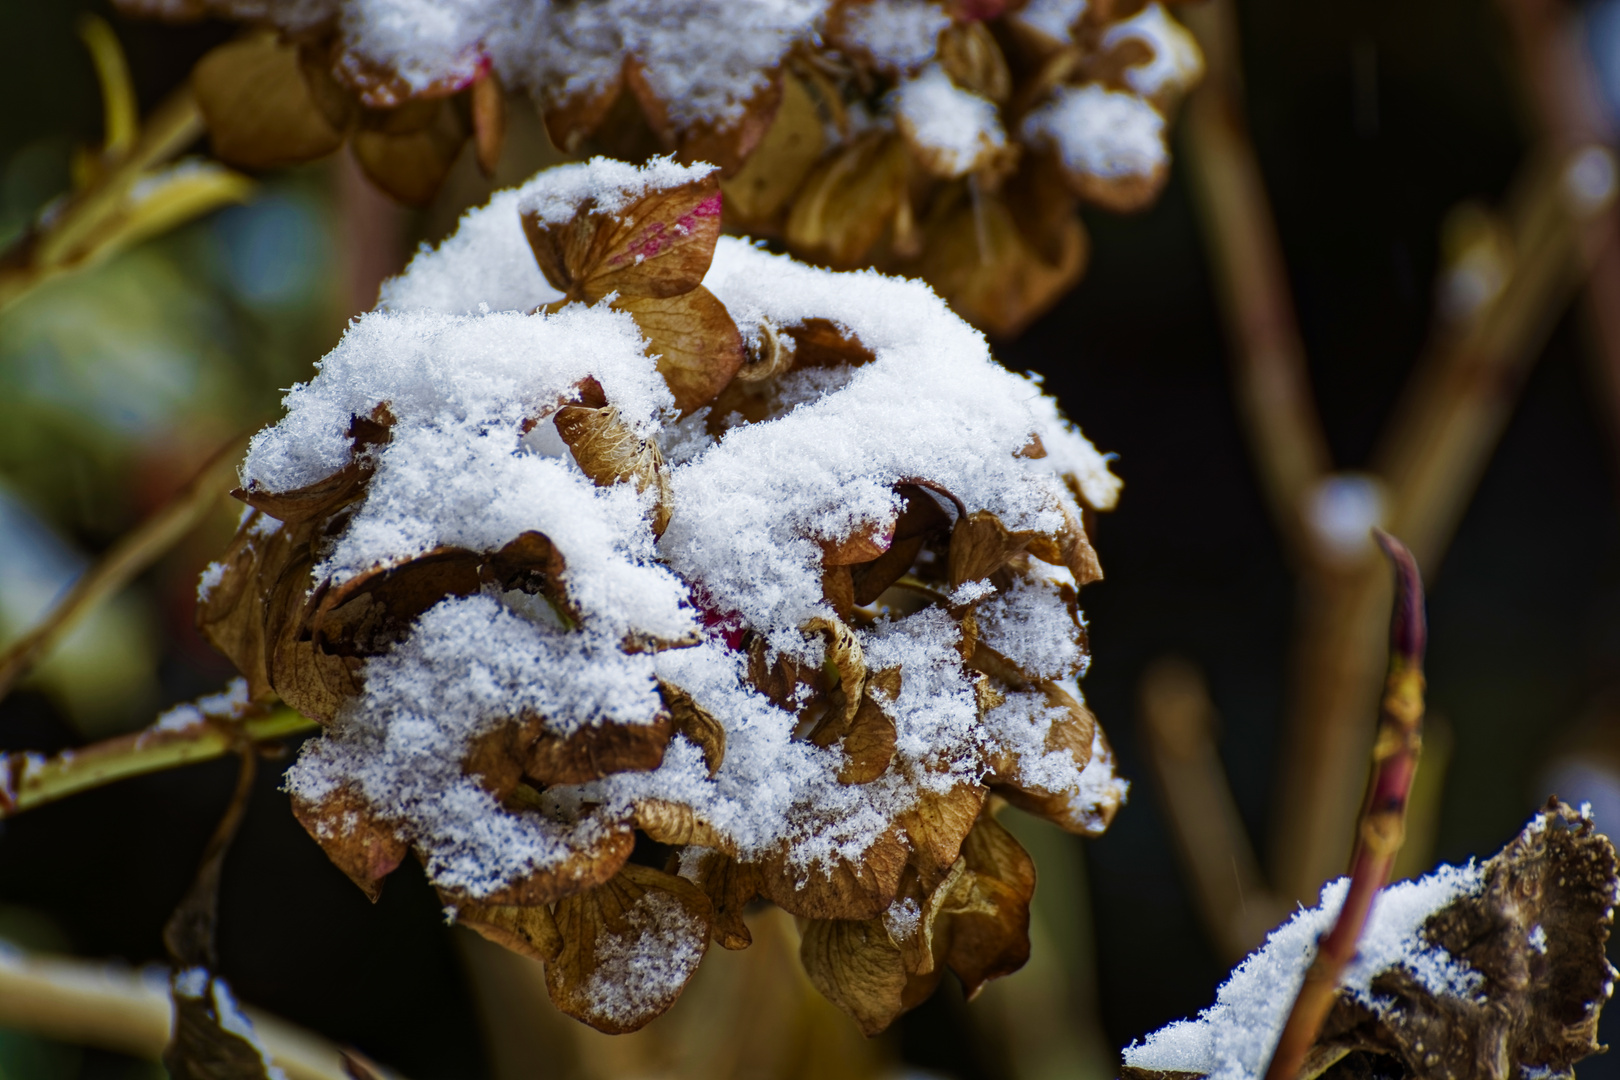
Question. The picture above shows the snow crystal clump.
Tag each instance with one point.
(955, 125)
(1234, 1038)
(899, 35)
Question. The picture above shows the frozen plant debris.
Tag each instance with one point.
(772, 566)
(1495, 970)
(951, 141)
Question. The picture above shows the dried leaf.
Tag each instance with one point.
(692, 720)
(528, 930)
(762, 187)
(610, 453)
(261, 111)
(730, 886)
(844, 888)
(408, 151)
(628, 948)
(659, 247)
(936, 827)
(699, 348)
(858, 967)
(599, 750)
(848, 200)
(365, 849)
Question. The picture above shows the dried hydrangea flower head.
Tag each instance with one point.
(945, 138)
(636, 573)
(1488, 970)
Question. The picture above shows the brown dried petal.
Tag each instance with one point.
(660, 246)
(864, 543)
(628, 948)
(692, 720)
(325, 497)
(790, 147)
(730, 886)
(845, 660)
(569, 123)
(970, 56)
(407, 157)
(232, 614)
(698, 346)
(1070, 548)
(610, 453)
(989, 271)
(848, 200)
(365, 849)
(838, 589)
(981, 545)
(305, 676)
(821, 342)
(260, 110)
(597, 750)
(368, 612)
(677, 824)
(860, 888)
(586, 866)
(728, 147)
(936, 827)
(986, 916)
(528, 930)
(488, 121)
(858, 967)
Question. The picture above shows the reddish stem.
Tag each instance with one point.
(1383, 813)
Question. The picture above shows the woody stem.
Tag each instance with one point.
(1383, 813)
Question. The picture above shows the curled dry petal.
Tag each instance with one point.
(985, 919)
(587, 865)
(261, 110)
(692, 720)
(597, 750)
(847, 201)
(981, 545)
(325, 497)
(868, 740)
(304, 675)
(570, 122)
(677, 824)
(845, 661)
(365, 849)
(628, 948)
(970, 56)
(842, 888)
(864, 543)
(699, 348)
(762, 187)
(663, 249)
(728, 146)
(408, 151)
(528, 929)
(232, 614)
(767, 359)
(730, 886)
(857, 966)
(610, 453)
(936, 827)
(488, 121)
(823, 343)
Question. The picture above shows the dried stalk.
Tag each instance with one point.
(127, 195)
(115, 1008)
(1434, 451)
(132, 554)
(28, 780)
(1383, 814)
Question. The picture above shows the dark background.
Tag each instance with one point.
(1525, 611)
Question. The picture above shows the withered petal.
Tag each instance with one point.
(860, 888)
(692, 720)
(411, 166)
(571, 121)
(488, 121)
(757, 192)
(610, 453)
(528, 930)
(730, 886)
(844, 205)
(937, 826)
(260, 109)
(365, 849)
(698, 346)
(585, 867)
(856, 966)
(325, 497)
(677, 824)
(628, 948)
(597, 750)
(981, 545)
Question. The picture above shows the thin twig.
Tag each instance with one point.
(28, 780)
(115, 1008)
(136, 551)
(1383, 814)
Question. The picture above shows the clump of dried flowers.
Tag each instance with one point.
(636, 573)
(949, 139)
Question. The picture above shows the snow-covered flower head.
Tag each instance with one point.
(636, 573)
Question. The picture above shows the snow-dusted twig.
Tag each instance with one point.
(136, 551)
(28, 780)
(1383, 813)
